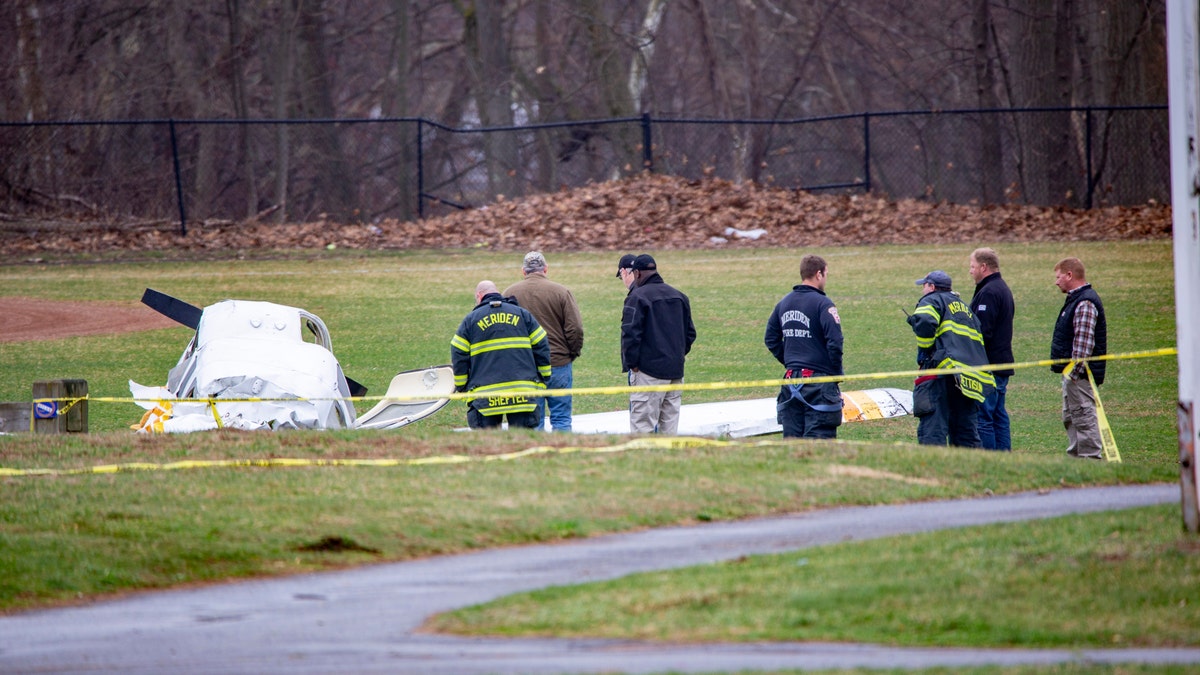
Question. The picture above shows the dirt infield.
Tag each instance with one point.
(27, 319)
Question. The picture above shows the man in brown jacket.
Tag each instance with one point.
(555, 309)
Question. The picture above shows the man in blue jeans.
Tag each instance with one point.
(993, 305)
(555, 309)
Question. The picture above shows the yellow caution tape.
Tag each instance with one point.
(1111, 453)
(660, 443)
(624, 389)
(1107, 440)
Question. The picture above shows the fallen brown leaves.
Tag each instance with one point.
(645, 213)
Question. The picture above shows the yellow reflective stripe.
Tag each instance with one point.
(927, 309)
(959, 329)
(460, 380)
(500, 410)
(537, 335)
(515, 386)
(972, 381)
(460, 343)
(924, 342)
(981, 375)
(544, 371)
(500, 343)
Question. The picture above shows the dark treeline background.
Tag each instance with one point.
(470, 64)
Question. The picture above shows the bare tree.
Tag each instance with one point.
(991, 161)
(334, 179)
(488, 56)
(246, 165)
(282, 75)
(505, 62)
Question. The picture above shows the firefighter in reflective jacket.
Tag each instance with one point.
(499, 348)
(948, 336)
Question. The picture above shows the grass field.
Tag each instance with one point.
(71, 537)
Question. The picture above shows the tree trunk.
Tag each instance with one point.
(1042, 77)
(645, 43)
(751, 139)
(401, 106)
(487, 52)
(248, 158)
(991, 162)
(32, 169)
(607, 70)
(1131, 64)
(282, 75)
(189, 67)
(334, 181)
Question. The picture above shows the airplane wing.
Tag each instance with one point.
(753, 417)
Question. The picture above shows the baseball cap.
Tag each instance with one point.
(645, 262)
(937, 277)
(534, 261)
(625, 263)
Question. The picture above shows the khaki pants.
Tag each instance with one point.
(1079, 419)
(653, 411)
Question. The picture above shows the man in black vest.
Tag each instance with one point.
(1080, 332)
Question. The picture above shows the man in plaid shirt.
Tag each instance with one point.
(1080, 333)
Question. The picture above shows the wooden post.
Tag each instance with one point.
(15, 416)
(48, 416)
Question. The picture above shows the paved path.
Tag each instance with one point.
(365, 620)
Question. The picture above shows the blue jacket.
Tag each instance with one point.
(805, 332)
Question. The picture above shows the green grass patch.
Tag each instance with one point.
(1117, 579)
(71, 537)
(67, 538)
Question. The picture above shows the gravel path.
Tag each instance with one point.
(367, 620)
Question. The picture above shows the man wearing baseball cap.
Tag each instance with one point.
(948, 336)
(656, 334)
(625, 266)
(554, 307)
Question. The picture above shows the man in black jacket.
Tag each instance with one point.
(656, 334)
(993, 305)
(804, 333)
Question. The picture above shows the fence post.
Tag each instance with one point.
(420, 169)
(65, 412)
(1091, 185)
(647, 153)
(867, 151)
(178, 179)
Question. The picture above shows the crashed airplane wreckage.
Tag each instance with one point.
(276, 365)
(752, 417)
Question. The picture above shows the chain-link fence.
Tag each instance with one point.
(184, 171)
